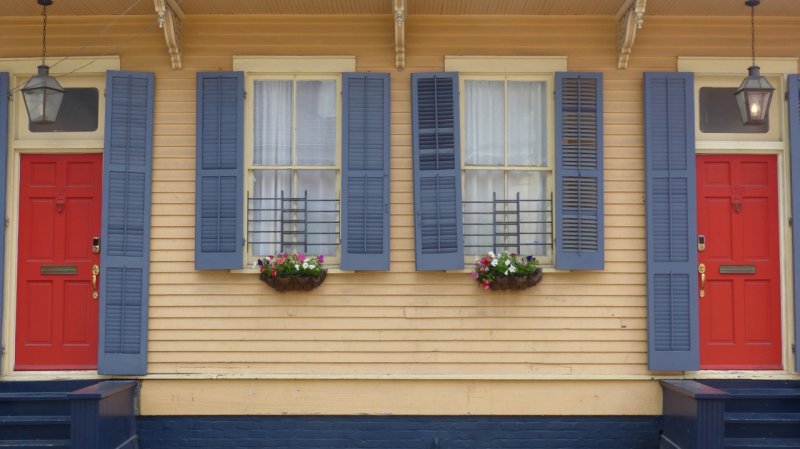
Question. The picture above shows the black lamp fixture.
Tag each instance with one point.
(42, 93)
(755, 93)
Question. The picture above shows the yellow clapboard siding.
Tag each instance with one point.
(402, 322)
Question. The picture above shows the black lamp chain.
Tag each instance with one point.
(753, 31)
(44, 32)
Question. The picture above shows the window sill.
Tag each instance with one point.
(255, 271)
(545, 269)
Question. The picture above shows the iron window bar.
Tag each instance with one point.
(291, 223)
(517, 225)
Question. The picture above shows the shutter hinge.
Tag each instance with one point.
(794, 348)
(791, 221)
(244, 95)
(8, 222)
(2, 350)
(244, 241)
(786, 95)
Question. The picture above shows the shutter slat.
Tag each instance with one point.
(579, 171)
(437, 172)
(125, 256)
(4, 79)
(794, 141)
(220, 170)
(365, 171)
(671, 222)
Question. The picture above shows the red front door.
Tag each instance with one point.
(740, 312)
(59, 215)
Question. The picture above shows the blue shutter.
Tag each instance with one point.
(3, 159)
(365, 171)
(125, 256)
(672, 308)
(794, 140)
(439, 241)
(579, 171)
(219, 233)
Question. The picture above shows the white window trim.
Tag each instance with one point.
(288, 68)
(549, 80)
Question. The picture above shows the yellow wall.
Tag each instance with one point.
(572, 328)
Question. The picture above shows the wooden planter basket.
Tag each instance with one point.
(297, 282)
(516, 282)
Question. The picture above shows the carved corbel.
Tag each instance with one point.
(170, 19)
(399, 7)
(630, 18)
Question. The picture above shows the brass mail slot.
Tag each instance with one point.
(737, 269)
(58, 269)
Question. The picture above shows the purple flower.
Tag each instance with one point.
(529, 258)
(260, 262)
(321, 259)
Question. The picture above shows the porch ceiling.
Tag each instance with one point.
(415, 7)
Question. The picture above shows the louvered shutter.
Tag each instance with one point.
(219, 232)
(671, 209)
(438, 230)
(125, 256)
(3, 159)
(794, 139)
(365, 171)
(579, 171)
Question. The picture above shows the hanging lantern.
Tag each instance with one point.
(755, 93)
(42, 93)
(43, 96)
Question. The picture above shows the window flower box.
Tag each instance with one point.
(295, 272)
(506, 271)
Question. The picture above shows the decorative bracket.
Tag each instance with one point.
(630, 18)
(399, 7)
(170, 19)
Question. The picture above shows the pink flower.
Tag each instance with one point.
(484, 261)
(301, 257)
(485, 284)
(274, 272)
(474, 275)
(321, 258)
(279, 260)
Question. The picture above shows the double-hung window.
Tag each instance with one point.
(507, 165)
(294, 175)
(292, 156)
(509, 162)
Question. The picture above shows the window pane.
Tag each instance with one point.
(719, 112)
(527, 124)
(272, 122)
(78, 112)
(316, 122)
(264, 216)
(479, 185)
(322, 216)
(484, 111)
(535, 211)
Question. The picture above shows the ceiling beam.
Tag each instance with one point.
(170, 19)
(399, 8)
(630, 19)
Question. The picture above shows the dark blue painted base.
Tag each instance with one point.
(400, 432)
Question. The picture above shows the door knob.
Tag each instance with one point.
(95, 272)
(702, 270)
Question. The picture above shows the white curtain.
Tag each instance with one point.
(485, 131)
(272, 122)
(272, 145)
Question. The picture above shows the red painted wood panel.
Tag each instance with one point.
(740, 315)
(59, 213)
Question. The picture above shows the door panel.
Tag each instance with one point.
(59, 213)
(740, 322)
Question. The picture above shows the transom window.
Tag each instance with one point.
(293, 191)
(507, 163)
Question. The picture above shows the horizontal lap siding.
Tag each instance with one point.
(401, 322)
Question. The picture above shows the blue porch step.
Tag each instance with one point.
(762, 443)
(763, 418)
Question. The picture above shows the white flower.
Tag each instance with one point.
(506, 273)
(508, 262)
(494, 262)
(296, 266)
(311, 267)
(305, 265)
(491, 254)
(512, 269)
